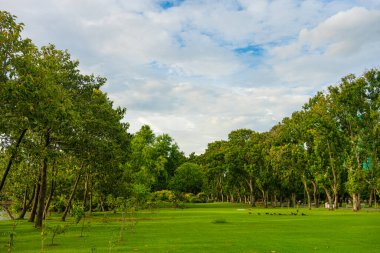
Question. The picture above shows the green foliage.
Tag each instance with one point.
(163, 195)
(77, 211)
(188, 178)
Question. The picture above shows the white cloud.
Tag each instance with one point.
(345, 42)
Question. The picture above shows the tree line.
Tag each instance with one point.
(326, 151)
(64, 143)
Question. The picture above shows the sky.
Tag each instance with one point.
(198, 69)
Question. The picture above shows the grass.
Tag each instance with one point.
(208, 228)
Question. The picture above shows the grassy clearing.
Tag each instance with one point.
(207, 228)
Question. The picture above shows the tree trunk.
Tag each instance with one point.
(355, 202)
(252, 195)
(294, 199)
(26, 207)
(316, 201)
(274, 200)
(25, 199)
(375, 199)
(307, 191)
(330, 204)
(11, 159)
(370, 198)
(35, 201)
(308, 200)
(85, 193)
(5, 208)
(101, 203)
(52, 188)
(91, 191)
(41, 200)
(63, 218)
(336, 198)
(90, 210)
(239, 196)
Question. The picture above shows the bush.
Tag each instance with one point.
(202, 197)
(187, 197)
(59, 204)
(164, 195)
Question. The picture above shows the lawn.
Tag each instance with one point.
(206, 228)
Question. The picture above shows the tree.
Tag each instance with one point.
(188, 178)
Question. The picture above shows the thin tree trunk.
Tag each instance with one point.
(91, 194)
(11, 159)
(101, 203)
(370, 198)
(328, 197)
(70, 199)
(239, 196)
(375, 199)
(90, 210)
(52, 188)
(252, 195)
(41, 200)
(274, 200)
(293, 199)
(231, 197)
(316, 201)
(307, 191)
(85, 193)
(27, 206)
(5, 207)
(336, 197)
(25, 199)
(35, 201)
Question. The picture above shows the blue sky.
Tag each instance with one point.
(200, 69)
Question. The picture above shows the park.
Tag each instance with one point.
(81, 173)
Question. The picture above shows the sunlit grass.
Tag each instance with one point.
(194, 229)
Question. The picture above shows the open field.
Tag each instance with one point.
(206, 228)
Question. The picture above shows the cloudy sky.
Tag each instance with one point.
(198, 69)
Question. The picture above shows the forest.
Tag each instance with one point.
(64, 145)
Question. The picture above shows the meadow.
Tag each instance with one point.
(210, 228)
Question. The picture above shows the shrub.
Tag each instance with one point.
(56, 230)
(77, 211)
(164, 195)
(187, 197)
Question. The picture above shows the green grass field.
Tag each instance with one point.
(207, 228)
